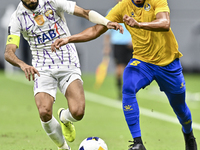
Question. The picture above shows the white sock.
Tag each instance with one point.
(54, 131)
(66, 116)
(65, 146)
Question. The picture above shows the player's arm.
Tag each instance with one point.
(161, 23)
(15, 61)
(84, 36)
(95, 17)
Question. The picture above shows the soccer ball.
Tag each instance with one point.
(93, 143)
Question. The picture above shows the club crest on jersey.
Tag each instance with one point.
(132, 14)
(39, 19)
(147, 7)
(49, 14)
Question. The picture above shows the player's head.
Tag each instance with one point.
(30, 4)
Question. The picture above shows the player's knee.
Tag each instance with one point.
(78, 113)
(45, 114)
(79, 116)
(128, 88)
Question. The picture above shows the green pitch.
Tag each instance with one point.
(20, 127)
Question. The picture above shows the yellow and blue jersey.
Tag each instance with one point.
(159, 48)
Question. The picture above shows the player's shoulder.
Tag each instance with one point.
(14, 16)
(120, 6)
(56, 3)
(154, 2)
(124, 3)
(14, 22)
(19, 10)
(47, 2)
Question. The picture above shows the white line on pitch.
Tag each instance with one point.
(117, 104)
(143, 111)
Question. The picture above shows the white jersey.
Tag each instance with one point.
(41, 27)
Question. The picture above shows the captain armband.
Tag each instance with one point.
(13, 39)
(95, 17)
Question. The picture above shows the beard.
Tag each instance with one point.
(32, 5)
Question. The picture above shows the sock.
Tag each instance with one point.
(66, 116)
(65, 146)
(138, 140)
(54, 131)
(188, 135)
(131, 113)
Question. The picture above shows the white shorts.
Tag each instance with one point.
(50, 80)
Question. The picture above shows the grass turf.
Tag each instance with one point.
(20, 127)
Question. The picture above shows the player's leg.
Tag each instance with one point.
(51, 126)
(171, 80)
(133, 80)
(45, 88)
(177, 101)
(76, 106)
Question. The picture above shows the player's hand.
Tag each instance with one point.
(30, 71)
(115, 26)
(58, 43)
(130, 21)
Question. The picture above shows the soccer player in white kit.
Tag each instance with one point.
(41, 22)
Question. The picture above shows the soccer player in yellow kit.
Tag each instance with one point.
(155, 57)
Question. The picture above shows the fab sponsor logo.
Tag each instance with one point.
(50, 35)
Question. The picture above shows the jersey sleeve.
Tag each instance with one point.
(65, 5)
(114, 14)
(161, 6)
(13, 31)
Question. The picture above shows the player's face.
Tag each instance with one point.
(139, 2)
(30, 4)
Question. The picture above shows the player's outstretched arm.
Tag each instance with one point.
(15, 61)
(95, 17)
(86, 35)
